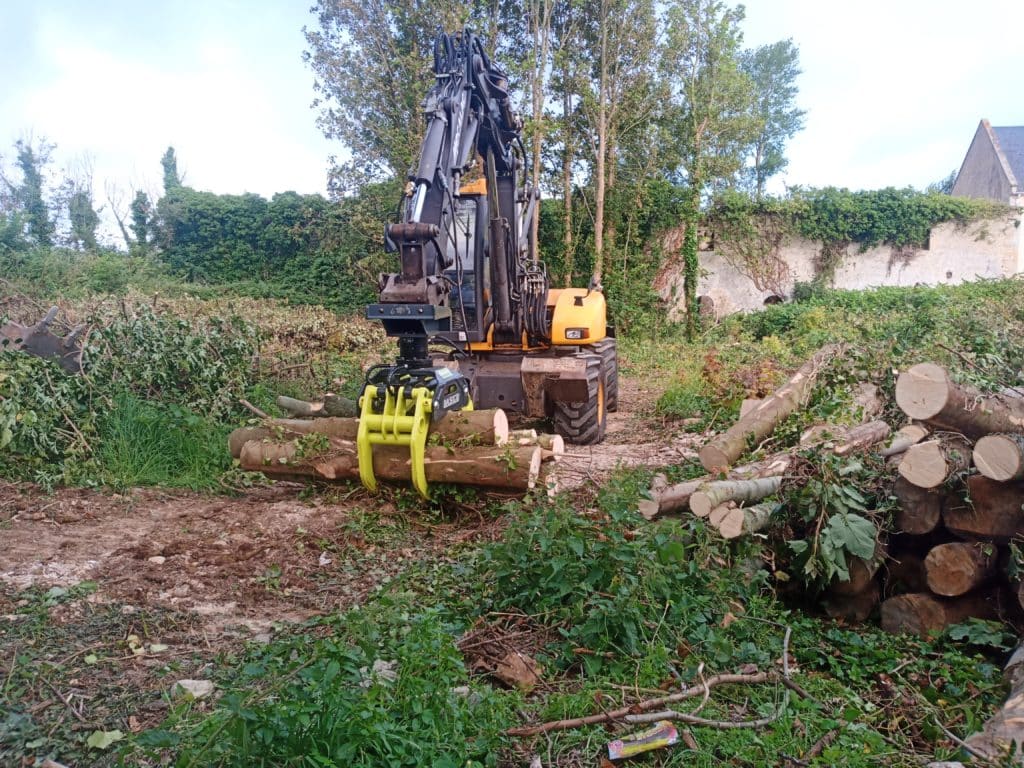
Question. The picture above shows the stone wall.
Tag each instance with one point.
(990, 248)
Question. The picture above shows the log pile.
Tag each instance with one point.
(957, 480)
(960, 500)
(464, 448)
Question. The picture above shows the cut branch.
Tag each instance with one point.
(725, 449)
(711, 495)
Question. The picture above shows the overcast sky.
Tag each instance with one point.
(893, 90)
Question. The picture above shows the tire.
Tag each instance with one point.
(583, 423)
(608, 350)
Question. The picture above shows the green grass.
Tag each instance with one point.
(650, 605)
(146, 445)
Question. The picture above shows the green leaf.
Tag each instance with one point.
(103, 739)
(851, 532)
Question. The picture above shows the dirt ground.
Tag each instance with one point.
(273, 554)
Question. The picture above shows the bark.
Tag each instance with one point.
(862, 573)
(748, 405)
(906, 574)
(923, 614)
(926, 392)
(486, 427)
(862, 436)
(711, 495)
(670, 499)
(919, 510)
(745, 521)
(931, 463)
(855, 608)
(1000, 457)
(957, 568)
(994, 512)
(726, 448)
(488, 466)
(912, 434)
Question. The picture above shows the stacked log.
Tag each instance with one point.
(960, 496)
(463, 447)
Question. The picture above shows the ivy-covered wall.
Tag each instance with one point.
(770, 254)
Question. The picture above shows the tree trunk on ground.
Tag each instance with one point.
(748, 405)
(931, 463)
(726, 448)
(862, 573)
(993, 514)
(862, 436)
(855, 608)
(1000, 457)
(486, 427)
(912, 434)
(906, 574)
(957, 568)
(488, 466)
(923, 614)
(711, 495)
(747, 520)
(919, 510)
(926, 392)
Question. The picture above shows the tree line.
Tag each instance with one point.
(635, 113)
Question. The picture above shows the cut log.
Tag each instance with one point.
(523, 437)
(912, 434)
(862, 573)
(906, 573)
(919, 510)
(823, 435)
(994, 512)
(747, 520)
(748, 405)
(486, 427)
(957, 568)
(923, 614)
(725, 449)
(1000, 457)
(490, 466)
(856, 608)
(719, 513)
(553, 443)
(710, 495)
(931, 463)
(670, 499)
(862, 436)
(926, 392)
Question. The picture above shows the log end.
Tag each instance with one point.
(922, 391)
(731, 526)
(648, 509)
(713, 459)
(701, 504)
(914, 613)
(924, 465)
(500, 427)
(999, 457)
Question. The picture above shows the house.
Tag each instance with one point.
(994, 166)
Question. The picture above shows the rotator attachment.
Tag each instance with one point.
(396, 408)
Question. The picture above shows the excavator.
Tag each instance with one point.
(471, 283)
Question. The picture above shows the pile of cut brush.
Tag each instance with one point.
(955, 471)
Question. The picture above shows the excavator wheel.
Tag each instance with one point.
(583, 423)
(608, 351)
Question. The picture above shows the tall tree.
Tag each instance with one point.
(773, 69)
(169, 162)
(712, 115)
(621, 94)
(372, 61)
(142, 214)
(28, 195)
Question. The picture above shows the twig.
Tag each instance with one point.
(963, 744)
(253, 408)
(643, 706)
(66, 702)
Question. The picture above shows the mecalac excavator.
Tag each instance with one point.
(470, 282)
